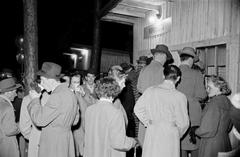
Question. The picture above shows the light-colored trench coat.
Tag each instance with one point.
(56, 118)
(27, 128)
(163, 110)
(8, 130)
(105, 133)
(150, 75)
(78, 131)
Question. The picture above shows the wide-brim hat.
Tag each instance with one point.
(126, 66)
(162, 49)
(50, 70)
(142, 59)
(8, 84)
(191, 52)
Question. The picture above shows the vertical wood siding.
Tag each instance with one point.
(194, 21)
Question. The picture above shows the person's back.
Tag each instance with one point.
(150, 75)
(8, 131)
(105, 131)
(163, 110)
(56, 123)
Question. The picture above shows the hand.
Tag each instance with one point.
(137, 142)
(192, 134)
(80, 90)
(33, 94)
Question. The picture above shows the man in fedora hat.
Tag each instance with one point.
(57, 116)
(8, 127)
(152, 75)
(192, 85)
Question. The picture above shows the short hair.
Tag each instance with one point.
(171, 72)
(184, 57)
(219, 82)
(107, 87)
(75, 74)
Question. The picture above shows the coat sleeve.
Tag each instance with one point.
(139, 83)
(117, 133)
(77, 117)
(200, 92)
(43, 115)
(235, 117)
(140, 108)
(210, 122)
(25, 123)
(9, 126)
(181, 113)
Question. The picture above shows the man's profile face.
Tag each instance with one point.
(46, 83)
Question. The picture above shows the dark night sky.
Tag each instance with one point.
(60, 24)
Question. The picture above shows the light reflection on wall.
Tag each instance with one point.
(83, 57)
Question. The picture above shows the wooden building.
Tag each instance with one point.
(210, 26)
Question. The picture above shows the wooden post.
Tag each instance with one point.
(30, 41)
(96, 50)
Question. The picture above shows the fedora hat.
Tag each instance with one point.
(50, 70)
(8, 84)
(162, 49)
(191, 52)
(126, 66)
(142, 59)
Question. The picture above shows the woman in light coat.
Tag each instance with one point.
(78, 130)
(105, 132)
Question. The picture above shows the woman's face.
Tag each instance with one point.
(212, 89)
(75, 82)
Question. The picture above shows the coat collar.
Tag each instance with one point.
(185, 66)
(60, 87)
(167, 84)
(156, 62)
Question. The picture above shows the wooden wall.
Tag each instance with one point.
(113, 57)
(198, 23)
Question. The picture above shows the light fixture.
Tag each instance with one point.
(155, 16)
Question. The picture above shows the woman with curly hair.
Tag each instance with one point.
(105, 132)
(215, 123)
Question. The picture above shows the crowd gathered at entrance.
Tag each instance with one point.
(155, 109)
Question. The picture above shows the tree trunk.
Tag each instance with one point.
(30, 41)
(96, 50)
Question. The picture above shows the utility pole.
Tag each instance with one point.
(96, 50)
(30, 41)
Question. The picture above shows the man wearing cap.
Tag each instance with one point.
(57, 116)
(8, 127)
(152, 75)
(116, 72)
(192, 85)
(141, 62)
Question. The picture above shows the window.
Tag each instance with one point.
(214, 59)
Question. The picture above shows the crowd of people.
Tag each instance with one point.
(153, 109)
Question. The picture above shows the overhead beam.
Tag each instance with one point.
(109, 6)
(128, 11)
(119, 19)
(151, 2)
(139, 5)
